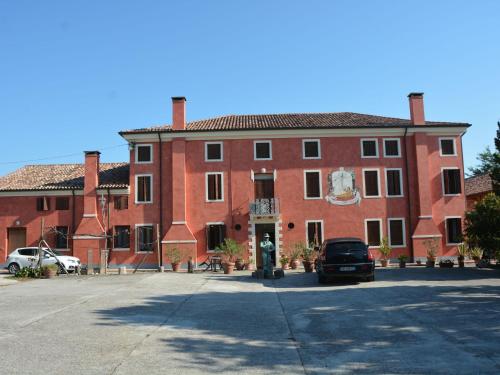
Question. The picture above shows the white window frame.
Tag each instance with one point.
(137, 238)
(402, 219)
(441, 149)
(322, 229)
(221, 152)
(381, 227)
(255, 150)
(399, 147)
(206, 187)
(376, 148)
(442, 182)
(137, 190)
(113, 240)
(320, 184)
(446, 229)
(400, 183)
(150, 145)
(212, 223)
(378, 182)
(304, 149)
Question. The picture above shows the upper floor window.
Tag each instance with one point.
(263, 150)
(213, 151)
(121, 202)
(214, 186)
(392, 148)
(43, 204)
(62, 203)
(311, 149)
(121, 237)
(394, 182)
(371, 183)
(396, 229)
(453, 230)
(451, 181)
(312, 184)
(143, 154)
(373, 232)
(143, 188)
(447, 147)
(61, 237)
(369, 148)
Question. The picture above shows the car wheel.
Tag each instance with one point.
(13, 268)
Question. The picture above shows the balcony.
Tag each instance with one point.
(265, 208)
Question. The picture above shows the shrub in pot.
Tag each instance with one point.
(239, 264)
(385, 252)
(295, 254)
(229, 251)
(249, 264)
(476, 253)
(284, 261)
(402, 261)
(431, 246)
(462, 250)
(308, 258)
(175, 257)
(49, 271)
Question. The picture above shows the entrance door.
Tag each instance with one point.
(260, 230)
(16, 237)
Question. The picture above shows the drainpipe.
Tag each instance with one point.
(73, 218)
(108, 240)
(408, 200)
(160, 226)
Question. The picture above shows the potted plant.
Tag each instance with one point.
(476, 253)
(385, 252)
(462, 252)
(229, 251)
(249, 264)
(175, 256)
(431, 246)
(308, 258)
(295, 254)
(284, 261)
(239, 264)
(402, 261)
(446, 263)
(49, 271)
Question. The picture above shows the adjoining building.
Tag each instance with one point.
(476, 188)
(299, 177)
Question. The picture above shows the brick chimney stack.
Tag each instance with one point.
(417, 108)
(91, 182)
(178, 113)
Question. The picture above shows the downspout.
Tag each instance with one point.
(108, 239)
(462, 187)
(160, 226)
(73, 214)
(408, 200)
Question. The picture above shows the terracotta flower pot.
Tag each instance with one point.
(176, 267)
(308, 266)
(284, 266)
(228, 267)
(294, 264)
(249, 266)
(430, 263)
(49, 273)
(402, 264)
(384, 262)
(239, 264)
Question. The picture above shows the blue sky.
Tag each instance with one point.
(74, 73)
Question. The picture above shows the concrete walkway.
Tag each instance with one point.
(409, 321)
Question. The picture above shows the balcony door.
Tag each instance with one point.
(264, 186)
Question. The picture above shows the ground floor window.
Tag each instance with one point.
(396, 230)
(453, 230)
(144, 235)
(61, 237)
(373, 230)
(216, 234)
(314, 233)
(121, 237)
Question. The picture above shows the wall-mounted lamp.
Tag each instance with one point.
(131, 146)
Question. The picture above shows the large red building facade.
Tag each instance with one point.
(299, 177)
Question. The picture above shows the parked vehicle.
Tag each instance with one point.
(345, 257)
(28, 257)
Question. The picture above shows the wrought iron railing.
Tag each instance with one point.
(265, 206)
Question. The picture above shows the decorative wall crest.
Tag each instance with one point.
(342, 188)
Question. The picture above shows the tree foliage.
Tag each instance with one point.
(486, 161)
(495, 171)
(483, 224)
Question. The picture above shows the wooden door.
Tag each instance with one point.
(16, 237)
(264, 189)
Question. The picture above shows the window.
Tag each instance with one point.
(392, 148)
(394, 182)
(213, 151)
(314, 232)
(373, 229)
(121, 202)
(447, 147)
(312, 184)
(311, 149)
(371, 183)
(144, 238)
(262, 150)
(453, 230)
(143, 154)
(62, 203)
(216, 233)
(61, 237)
(121, 237)
(369, 148)
(143, 188)
(396, 230)
(28, 252)
(43, 204)
(215, 188)
(451, 181)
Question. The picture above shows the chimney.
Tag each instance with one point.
(178, 113)
(417, 108)
(91, 182)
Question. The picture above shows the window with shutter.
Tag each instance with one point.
(121, 237)
(61, 237)
(369, 148)
(451, 181)
(312, 184)
(396, 232)
(373, 232)
(143, 188)
(391, 148)
(453, 230)
(394, 182)
(214, 186)
(314, 233)
(216, 233)
(371, 183)
(145, 239)
(62, 203)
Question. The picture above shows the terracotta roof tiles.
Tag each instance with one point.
(478, 184)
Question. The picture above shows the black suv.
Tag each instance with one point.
(345, 257)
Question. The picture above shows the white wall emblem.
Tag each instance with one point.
(342, 188)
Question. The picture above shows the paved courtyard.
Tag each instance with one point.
(413, 321)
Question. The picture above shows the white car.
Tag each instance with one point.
(28, 257)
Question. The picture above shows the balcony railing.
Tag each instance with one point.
(265, 207)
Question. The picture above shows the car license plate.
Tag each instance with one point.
(347, 268)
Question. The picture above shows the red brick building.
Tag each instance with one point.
(299, 177)
(476, 188)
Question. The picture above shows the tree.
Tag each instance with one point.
(482, 224)
(486, 161)
(495, 171)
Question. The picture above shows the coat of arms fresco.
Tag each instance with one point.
(342, 188)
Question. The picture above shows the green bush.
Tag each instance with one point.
(26, 272)
(482, 225)
(229, 250)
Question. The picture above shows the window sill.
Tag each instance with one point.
(121, 249)
(397, 246)
(145, 252)
(214, 201)
(369, 157)
(311, 158)
(313, 198)
(448, 155)
(453, 243)
(144, 162)
(262, 159)
(395, 196)
(372, 196)
(452, 195)
(213, 160)
(392, 156)
(150, 202)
